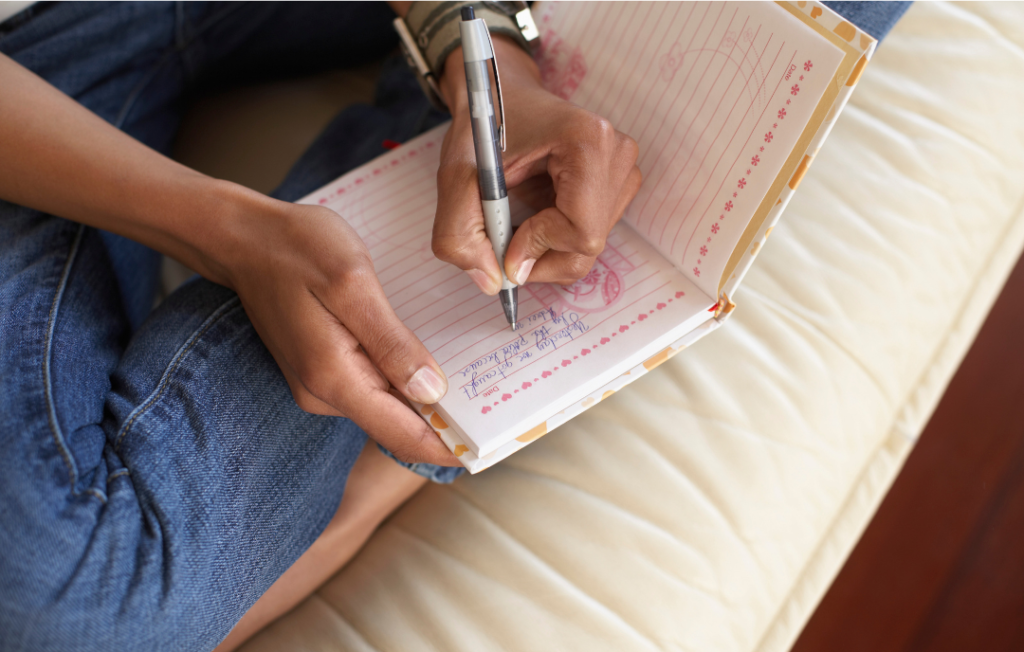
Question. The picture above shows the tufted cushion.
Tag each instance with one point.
(728, 487)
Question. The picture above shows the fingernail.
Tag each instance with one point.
(524, 270)
(483, 281)
(426, 386)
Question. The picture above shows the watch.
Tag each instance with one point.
(430, 32)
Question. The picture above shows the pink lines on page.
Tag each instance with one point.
(503, 328)
(739, 152)
(453, 312)
(356, 201)
(416, 187)
(429, 303)
(615, 315)
(422, 279)
(614, 87)
(700, 138)
(405, 271)
(453, 273)
(588, 8)
(682, 86)
(725, 149)
(652, 61)
(598, 85)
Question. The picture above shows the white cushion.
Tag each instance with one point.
(709, 505)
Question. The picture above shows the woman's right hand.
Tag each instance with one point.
(309, 287)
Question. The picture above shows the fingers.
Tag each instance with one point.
(561, 267)
(552, 247)
(549, 230)
(341, 380)
(594, 183)
(459, 237)
(358, 302)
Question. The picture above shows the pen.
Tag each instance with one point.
(489, 142)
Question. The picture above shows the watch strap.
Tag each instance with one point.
(435, 27)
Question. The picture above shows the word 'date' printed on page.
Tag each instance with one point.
(500, 379)
(715, 94)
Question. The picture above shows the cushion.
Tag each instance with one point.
(709, 505)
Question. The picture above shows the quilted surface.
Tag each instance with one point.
(729, 486)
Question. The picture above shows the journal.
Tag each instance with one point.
(729, 103)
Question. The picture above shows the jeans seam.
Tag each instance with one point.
(180, 43)
(129, 103)
(99, 495)
(51, 327)
(179, 356)
(117, 474)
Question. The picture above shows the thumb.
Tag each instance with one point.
(394, 349)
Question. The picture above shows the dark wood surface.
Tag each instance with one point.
(941, 566)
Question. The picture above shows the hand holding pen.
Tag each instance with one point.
(488, 143)
(590, 165)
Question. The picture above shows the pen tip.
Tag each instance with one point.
(510, 304)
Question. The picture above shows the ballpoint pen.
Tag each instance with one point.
(489, 142)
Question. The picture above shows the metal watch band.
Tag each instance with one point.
(435, 27)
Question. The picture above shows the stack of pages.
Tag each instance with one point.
(729, 103)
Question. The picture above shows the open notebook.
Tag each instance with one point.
(729, 102)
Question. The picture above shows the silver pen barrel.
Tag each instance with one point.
(485, 131)
(478, 55)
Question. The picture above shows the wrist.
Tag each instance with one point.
(517, 68)
(212, 230)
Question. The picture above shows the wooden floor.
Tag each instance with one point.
(941, 566)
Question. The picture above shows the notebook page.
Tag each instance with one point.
(502, 383)
(715, 94)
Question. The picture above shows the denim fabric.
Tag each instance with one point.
(156, 475)
(875, 18)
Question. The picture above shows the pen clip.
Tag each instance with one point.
(497, 84)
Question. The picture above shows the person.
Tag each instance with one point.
(177, 477)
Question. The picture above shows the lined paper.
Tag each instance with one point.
(715, 94)
(633, 301)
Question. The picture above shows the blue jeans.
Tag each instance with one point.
(156, 476)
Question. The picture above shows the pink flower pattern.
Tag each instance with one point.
(591, 278)
(754, 160)
(696, 271)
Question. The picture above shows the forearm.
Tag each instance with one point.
(58, 157)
